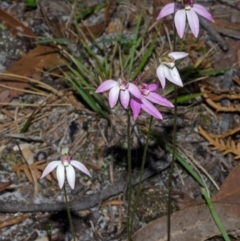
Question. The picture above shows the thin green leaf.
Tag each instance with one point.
(28, 122)
(192, 72)
(187, 166)
(31, 3)
(85, 12)
(214, 215)
(119, 40)
(79, 76)
(145, 58)
(213, 72)
(188, 97)
(61, 41)
(87, 97)
(134, 45)
(82, 83)
(88, 51)
(92, 54)
(49, 232)
(168, 90)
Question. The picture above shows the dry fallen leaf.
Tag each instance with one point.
(14, 220)
(42, 57)
(37, 167)
(29, 160)
(15, 26)
(195, 223)
(229, 192)
(218, 143)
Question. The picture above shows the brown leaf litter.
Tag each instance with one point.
(31, 64)
(50, 127)
(184, 223)
(37, 168)
(223, 142)
(15, 26)
(11, 221)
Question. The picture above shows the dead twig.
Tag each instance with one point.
(14, 220)
(214, 34)
(24, 137)
(76, 205)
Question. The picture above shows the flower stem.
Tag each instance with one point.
(141, 171)
(170, 177)
(68, 212)
(129, 229)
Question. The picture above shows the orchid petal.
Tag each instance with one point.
(161, 75)
(202, 11)
(177, 55)
(50, 167)
(136, 107)
(106, 85)
(60, 175)
(193, 22)
(113, 96)
(64, 151)
(158, 99)
(150, 109)
(175, 77)
(133, 89)
(80, 167)
(167, 73)
(71, 176)
(166, 10)
(153, 87)
(124, 98)
(180, 21)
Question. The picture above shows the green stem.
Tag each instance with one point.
(141, 172)
(214, 215)
(172, 166)
(68, 212)
(129, 230)
(173, 152)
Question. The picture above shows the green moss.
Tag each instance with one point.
(204, 120)
(11, 159)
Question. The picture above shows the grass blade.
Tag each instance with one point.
(214, 215)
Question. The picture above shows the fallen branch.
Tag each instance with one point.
(76, 205)
(214, 34)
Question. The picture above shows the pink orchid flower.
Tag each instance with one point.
(187, 9)
(120, 87)
(148, 96)
(65, 164)
(167, 69)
